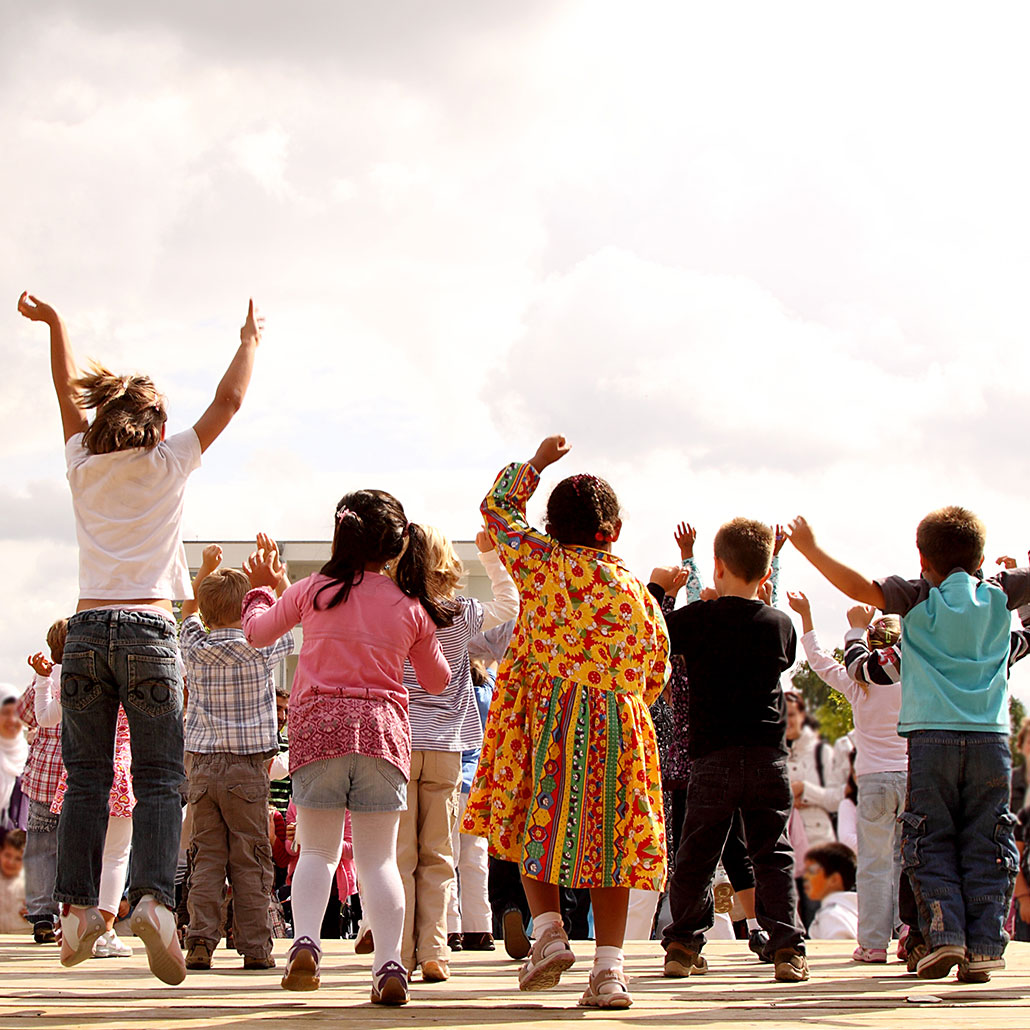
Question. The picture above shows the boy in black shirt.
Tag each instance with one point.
(735, 648)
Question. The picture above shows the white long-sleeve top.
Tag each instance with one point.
(878, 748)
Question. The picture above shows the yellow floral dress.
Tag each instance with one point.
(568, 783)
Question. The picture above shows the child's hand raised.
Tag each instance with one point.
(665, 576)
(860, 616)
(262, 568)
(1006, 562)
(780, 539)
(211, 557)
(801, 536)
(799, 602)
(34, 309)
(253, 327)
(685, 535)
(484, 542)
(41, 665)
(550, 450)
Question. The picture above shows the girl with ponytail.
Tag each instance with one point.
(128, 484)
(350, 740)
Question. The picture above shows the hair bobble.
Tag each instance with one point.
(342, 513)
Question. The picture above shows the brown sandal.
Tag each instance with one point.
(616, 997)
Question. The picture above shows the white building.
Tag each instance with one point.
(303, 557)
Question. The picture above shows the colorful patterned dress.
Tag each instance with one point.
(568, 783)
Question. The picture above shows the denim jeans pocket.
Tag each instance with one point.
(1004, 841)
(153, 683)
(912, 829)
(872, 802)
(79, 684)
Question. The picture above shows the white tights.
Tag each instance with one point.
(320, 836)
(115, 862)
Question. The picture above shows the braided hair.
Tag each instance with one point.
(583, 510)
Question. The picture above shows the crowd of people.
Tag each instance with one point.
(580, 756)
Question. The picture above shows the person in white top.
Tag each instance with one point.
(830, 880)
(881, 765)
(127, 484)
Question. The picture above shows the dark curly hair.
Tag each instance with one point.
(582, 510)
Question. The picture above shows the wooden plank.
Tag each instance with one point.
(738, 993)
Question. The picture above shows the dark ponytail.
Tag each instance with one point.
(370, 527)
(412, 576)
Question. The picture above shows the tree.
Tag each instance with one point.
(831, 710)
(1017, 713)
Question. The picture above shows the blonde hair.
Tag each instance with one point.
(129, 410)
(220, 597)
(55, 640)
(443, 567)
(885, 631)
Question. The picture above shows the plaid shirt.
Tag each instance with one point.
(231, 690)
(43, 768)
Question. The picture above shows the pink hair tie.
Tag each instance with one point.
(343, 513)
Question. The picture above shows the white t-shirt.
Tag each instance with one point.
(128, 517)
(837, 918)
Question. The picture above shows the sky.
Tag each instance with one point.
(751, 259)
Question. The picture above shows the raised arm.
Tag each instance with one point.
(233, 387)
(62, 364)
(505, 603)
(845, 579)
(210, 559)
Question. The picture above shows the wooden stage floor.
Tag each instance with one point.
(738, 992)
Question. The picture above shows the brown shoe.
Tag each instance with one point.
(435, 971)
(683, 960)
(550, 957)
(258, 962)
(198, 955)
(790, 965)
(364, 945)
(477, 941)
(516, 943)
(455, 941)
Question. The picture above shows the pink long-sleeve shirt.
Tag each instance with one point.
(348, 694)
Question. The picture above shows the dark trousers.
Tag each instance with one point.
(753, 780)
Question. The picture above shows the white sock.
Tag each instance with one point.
(752, 924)
(320, 836)
(606, 957)
(382, 892)
(544, 920)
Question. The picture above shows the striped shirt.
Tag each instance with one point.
(450, 721)
(231, 690)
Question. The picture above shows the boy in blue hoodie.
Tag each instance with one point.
(958, 844)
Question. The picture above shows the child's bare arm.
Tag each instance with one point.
(233, 386)
(551, 449)
(210, 559)
(62, 363)
(845, 579)
(685, 536)
(800, 603)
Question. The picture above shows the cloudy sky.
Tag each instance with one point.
(751, 259)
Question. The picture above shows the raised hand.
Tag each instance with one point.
(484, 542)
(685, 536)
(253, 327)
(666, 575)
(1006, 562)
(34, 309)
(799, 602)
(860, 616)
(550, 450)
(41, 665)
(781, 539)
(800, 534)
(263, 568)
(211, 557)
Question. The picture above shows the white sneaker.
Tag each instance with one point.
(154, 924)
(110, 945)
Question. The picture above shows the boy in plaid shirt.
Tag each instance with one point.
(39, 782)
(231, 735)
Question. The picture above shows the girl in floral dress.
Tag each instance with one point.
(568, 783)
(121, 802)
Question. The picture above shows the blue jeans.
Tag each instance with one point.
(881, 800)
(41, 863)
(753, 780)
(122, 657)
(958, 844)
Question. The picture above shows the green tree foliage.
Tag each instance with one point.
(1017, 713)
(831, 710)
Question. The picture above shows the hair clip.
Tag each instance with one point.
(343, 513)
